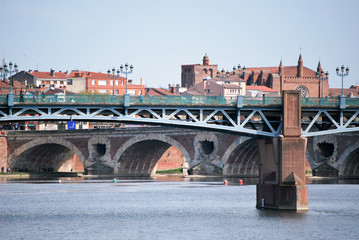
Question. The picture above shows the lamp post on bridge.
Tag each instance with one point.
(223, 75)
(321, 77)
(3, 73)
(113, 76)
(9, 71)
(342, 74)
(126, 71)
(240, 75)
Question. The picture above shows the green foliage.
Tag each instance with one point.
(91, 93)
(171, 171)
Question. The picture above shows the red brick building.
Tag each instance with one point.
(83, 81)
(40, 79)
(195, 73)
(289, 78)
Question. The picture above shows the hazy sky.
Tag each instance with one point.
(157, 37)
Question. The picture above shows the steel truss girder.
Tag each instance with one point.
(263, 121)
(253, 121)
(329, 121)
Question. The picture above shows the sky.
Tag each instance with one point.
(159, 36)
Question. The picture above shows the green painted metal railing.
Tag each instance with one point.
(171, 100)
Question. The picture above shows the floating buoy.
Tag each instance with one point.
(114, 180)
(225, 182)
(241, 181)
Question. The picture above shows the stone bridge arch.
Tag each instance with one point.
(348, 163)
(241, 158)
(154, 144)
(44, 153)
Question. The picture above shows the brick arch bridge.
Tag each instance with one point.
(128, 151)
(207, 153)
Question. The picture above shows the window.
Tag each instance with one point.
(132, 92)
(117, 92)
(69, 81)
(61, 82)
(116, 82)
(122, 83)
(140, 92)
(102, 91)
(93, 82)
(93, 90)
(102, 82)
(111, 82)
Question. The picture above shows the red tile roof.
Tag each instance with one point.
(159, 92)
(260, 88)
(47, 75)
(92, 75)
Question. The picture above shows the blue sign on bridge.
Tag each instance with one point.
(71, 125)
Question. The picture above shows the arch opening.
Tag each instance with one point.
(350, 166)
(48, 157)
(243, 161)
(144, 158)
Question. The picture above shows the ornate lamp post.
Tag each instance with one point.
(240, 75)
(126, 71)
(342, 74)
(10, 71)
(3, 73)
(113, 76)
(321, 77)
(223, 75)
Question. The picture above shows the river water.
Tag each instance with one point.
(172, 208)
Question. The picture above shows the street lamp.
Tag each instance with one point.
(342, 74)
(321, 77)
(126, 71)
(126, 102)
(223, 75)
(11, 71)
(240, 75)
(3, 73)
(113, 76)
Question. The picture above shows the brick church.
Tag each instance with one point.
(278, 78)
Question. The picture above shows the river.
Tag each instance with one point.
(170, 208)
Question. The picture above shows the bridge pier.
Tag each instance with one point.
(282, 183)
(3, 153)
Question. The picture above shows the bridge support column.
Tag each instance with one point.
(3, 153)
(282, 183)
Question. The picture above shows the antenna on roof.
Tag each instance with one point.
(300, 49)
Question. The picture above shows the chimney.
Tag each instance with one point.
(142, 81)
(52, 72)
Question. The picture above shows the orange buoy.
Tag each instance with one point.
(225, 182)
(240, 181)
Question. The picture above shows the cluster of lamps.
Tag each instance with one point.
(126, 70)
(4, 71)
(322, 76)
(342, 74)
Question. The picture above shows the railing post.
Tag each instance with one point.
(239, 101)
(126, 102)
(342, 102)
(10, 99)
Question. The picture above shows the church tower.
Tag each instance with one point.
(300, 67)
(205, 60)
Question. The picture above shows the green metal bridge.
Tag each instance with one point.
(245, 115)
